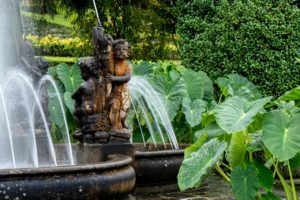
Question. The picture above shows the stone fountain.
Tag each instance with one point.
(104, 164)
(103, 102)
(31, 166)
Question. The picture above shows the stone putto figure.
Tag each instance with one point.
(103, 100)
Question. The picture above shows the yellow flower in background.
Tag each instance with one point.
(53, 45)
(52, 40)
(171, 47)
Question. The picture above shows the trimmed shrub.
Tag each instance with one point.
(257, 39)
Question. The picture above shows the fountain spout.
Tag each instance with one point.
(97, 14)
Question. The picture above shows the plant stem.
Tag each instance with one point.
(259, 196)
(275, 166)
(226, 166)
(223, 174)
(248, 142)
(179, 116)
(284, 183)
(292, 181)
(251, 156)
(220, 98)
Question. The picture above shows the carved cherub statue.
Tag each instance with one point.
(120, 98)
(103, 101)
(85, 99)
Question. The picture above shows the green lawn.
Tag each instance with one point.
(58, 19)
(55, 59)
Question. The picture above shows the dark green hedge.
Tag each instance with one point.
(259, 39)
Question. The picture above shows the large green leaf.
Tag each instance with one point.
(166, 67)
(70, 76)
(236, 85)
(143, 69)
(60, 87)
(255, 142)
(56, 114)
(269, 196)
(69, 101)
(208, 118)
(256, 123)
(281, 134)
(174, 75)
(52, 71)
(295, 161)
(244, 182)
(195, 147)
(171, 92)
(264, 175)
(236, 149)
(193, 110)
(198, 85)
(208, 86)
(292, 95)
(289, 107)
(194, 169)
(70, 121)
(236, 114)
(213, 130)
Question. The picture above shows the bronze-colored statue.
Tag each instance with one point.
(103, 100)
(120, 99)
(86, 107)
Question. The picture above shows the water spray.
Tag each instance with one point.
(97, 14)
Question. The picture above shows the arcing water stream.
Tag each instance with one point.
(140, 89)
(25, 139)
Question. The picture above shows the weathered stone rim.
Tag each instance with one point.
(160, 150)
(114, 161)
(150, 154)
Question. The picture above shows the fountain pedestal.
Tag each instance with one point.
(93, 153)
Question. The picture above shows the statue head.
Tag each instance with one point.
(88, 68)
(42, 65)
(121, 49)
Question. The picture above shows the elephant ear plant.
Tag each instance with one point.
(246, 138)
(67, 79)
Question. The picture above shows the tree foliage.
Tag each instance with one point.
(149, 25)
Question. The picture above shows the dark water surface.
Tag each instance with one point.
(214, 188)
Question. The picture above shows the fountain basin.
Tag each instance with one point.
(103, 171)
(112, 178)
(157, 164)
(152, 164)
